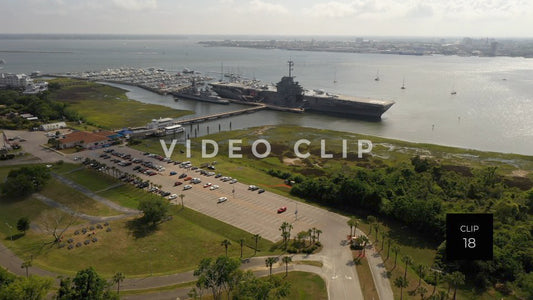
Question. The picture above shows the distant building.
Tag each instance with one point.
(22, 81)
(53, 126)
(160, 123)
(87, 140)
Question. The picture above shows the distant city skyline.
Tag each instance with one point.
(475, 18)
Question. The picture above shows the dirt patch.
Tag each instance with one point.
(292, 161)
(262, 130)
(520, 173)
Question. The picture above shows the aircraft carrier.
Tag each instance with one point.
(289, 93)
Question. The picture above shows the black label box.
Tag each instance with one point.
(469, 236)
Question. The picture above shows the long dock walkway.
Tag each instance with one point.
(221, 115)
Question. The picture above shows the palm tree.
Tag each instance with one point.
(352, 222)
(310, 235)
(407, 260)
(422, 291)
(181, 197)
(318, 232)
(437, 278)
(402, 283)
(376, 229)
(257, 237)
(26, 265)
(286, 260)
(302, 235)
(286, 236)
(269, 262)
(421, 271)
(314, 234)
(395, 250)
(365, 241)
(241, 241)
(226, 243)
(118, 278)
(371, 220)
(389, 241)
(457, 278)
(383, 236)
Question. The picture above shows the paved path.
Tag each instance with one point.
(90, 218)
(90, 194)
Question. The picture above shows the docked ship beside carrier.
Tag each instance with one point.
(289, 93)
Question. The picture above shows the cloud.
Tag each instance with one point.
(135, 5)
(266, 7)
(338, 9)
(420, 10)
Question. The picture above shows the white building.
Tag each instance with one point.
(53, 126)
(9, 80)
(160, 123)
(15, 80)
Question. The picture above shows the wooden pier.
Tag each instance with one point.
(221, 115)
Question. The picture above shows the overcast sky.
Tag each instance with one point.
(476, 18)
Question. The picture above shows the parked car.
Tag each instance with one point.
(233, 181)
(182, 176)
(214, 187)
(282, 209)
(222, 199)
(172, 197)
(187, 187)
(178, 183)
(260, 191)
(253, 188)
(172, 173)
(207, 184)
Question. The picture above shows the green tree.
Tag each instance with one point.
(395, 250)
(23, 224)
(226, 243)
(117, 279)
(252, 288)
(456, 279)
(154, 209)
(256, 237)
(421, 271)
(286, 260)
(269, 262)
(216, 274)
(26, 288)
(353, 223)
(26, 265)
(87, 284)
(181, 197)
(318, 232)
(25, 181)
(241, 241)
(407, 260)
(422, 291)
(402, 283)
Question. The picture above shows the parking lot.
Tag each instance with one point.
(246, 209)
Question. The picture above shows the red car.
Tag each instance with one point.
(282, 209)
(177, 183)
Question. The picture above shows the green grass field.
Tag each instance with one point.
(178, 245)
(107, 106)
(305, 286)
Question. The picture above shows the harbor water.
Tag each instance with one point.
(492, 110)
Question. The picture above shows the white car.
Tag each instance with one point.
(233, 181)
(214, 187)
(187, 187)
(172, 197)
(222, 199)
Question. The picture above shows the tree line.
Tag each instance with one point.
(13, 103)
(420, 193)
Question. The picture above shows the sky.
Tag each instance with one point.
(474, 18)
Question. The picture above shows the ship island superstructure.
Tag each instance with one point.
(288, 93)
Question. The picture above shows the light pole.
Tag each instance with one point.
(296, 213)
